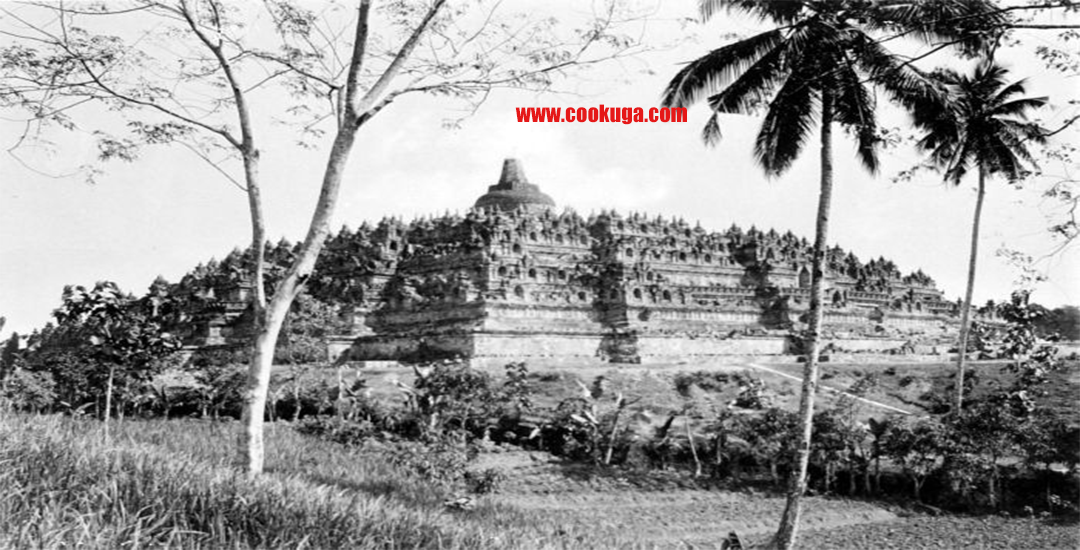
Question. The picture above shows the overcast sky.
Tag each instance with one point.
(170, 211)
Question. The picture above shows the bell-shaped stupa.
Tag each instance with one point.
(514, 191)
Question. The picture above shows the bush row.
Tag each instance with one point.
(992, 456)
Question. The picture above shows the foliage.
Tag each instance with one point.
(451, 397)
(302, 339)
(29, 391)
(917, 446)
(573, 431)
(105, 342)
(771, 439)
(115, 329)
(121, 339)
(968, 453)
(352, 433)
(171, 484)
(76, 385)
(220, 390)
(981, 124)
(447, 411)
(751, 392)
(10, 357)
(1030, 363)
(1062, 322)
(302, 391)
(486, 481)
(442, 461)
(586, 427)
(837, 445)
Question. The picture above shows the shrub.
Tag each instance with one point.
(573, 431)
(442, 462)
(917, 447)
(451, 397)
(837, 445)
(30, 391)
(486, 481)
(771, 439)
(348, 432)
(752, 393)
(707, 381)
(301, 392)
(302, 339)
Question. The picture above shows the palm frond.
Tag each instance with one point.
(958, 163)
(786, 11)
(707, 74)
(980, 124)
(758, 80)
(904, 83)
(1029, 131)
(854, 109)
(1016, 88)
(1018, 108)
(971, 24)
(787, 125)
(711, 134)
(999, 156)
(987, 81)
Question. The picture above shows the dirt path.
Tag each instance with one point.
(827, 388)
(713, 365)
(659, 510)
(663, 511)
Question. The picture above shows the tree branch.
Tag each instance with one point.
(246, 144)
(213, 164)
(403, 54)
(353, 78)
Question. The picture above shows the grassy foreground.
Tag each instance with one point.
(170, 484)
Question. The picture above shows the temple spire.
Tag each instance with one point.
(513, 175)
(513, 192)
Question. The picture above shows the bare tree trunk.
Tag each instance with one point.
(340, 405)
(108, 399)
(965, 312)
(877, 470)
(296, 399)
(789, 522)
(358, 110)
(258, 381)
(258, 229)
(830, 475)
(993, 490)
(611, 437)
(693, 448)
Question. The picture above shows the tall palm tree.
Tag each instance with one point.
(982, 124)
(816, 68)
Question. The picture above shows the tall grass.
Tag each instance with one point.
(170, 484)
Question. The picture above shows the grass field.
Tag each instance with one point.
(170, 484)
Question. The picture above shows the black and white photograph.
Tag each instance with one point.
(540, 274)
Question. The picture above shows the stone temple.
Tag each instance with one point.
(513, 278)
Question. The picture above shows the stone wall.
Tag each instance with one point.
(515, 278)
